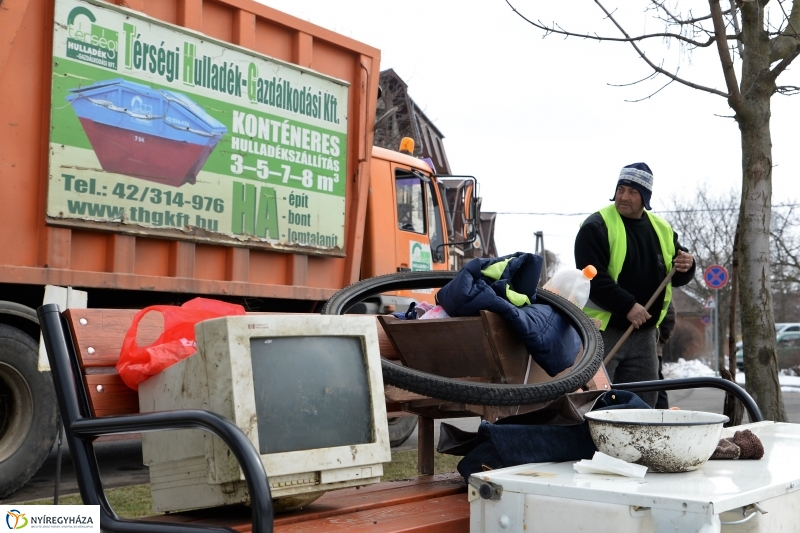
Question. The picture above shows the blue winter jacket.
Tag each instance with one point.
(549, 338)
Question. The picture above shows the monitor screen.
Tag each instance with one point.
(310, 392)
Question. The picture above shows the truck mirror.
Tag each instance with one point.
(462, 208)
(473, 215)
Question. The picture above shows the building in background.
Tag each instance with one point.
(690, 338)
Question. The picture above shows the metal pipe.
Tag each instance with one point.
(693, 383)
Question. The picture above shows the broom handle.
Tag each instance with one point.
(628, 332)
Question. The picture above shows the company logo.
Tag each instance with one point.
(16, 519)
(420, 257)
(90, 42)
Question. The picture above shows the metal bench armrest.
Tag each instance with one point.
(694, 383)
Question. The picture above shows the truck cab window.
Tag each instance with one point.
(410, 202)
(435, 233)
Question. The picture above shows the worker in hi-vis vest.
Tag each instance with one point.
(633, 251)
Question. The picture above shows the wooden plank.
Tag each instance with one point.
(108, 395)
(387, 348)
(449, 514)
(376, 496)
(425, 446)
(98, 333)
(538, 375)
(600, 380)
(446, 514)
(105, 330)
(394, 394)
(444, 410)
(339, 505)
(448, 347)
(509, 350)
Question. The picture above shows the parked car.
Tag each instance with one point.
(780, 327)
(788, 345)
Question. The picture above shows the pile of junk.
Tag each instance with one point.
(559, 444)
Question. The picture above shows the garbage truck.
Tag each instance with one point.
(156, 151)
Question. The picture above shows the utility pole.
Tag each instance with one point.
(539, 249)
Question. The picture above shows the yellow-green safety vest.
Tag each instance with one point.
(618, 246)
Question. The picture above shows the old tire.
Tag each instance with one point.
(400, 429)
(453, 390)
(28, 410)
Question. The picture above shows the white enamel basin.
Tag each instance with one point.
(662, 440)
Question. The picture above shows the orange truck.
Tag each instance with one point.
(157, 150)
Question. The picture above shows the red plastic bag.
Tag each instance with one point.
(137, 363)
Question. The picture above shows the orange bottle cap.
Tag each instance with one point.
(589, 271)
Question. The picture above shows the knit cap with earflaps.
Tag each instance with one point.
(640, 177)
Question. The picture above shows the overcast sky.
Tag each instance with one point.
(538, 121)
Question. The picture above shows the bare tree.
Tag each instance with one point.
(765, 42)
(553, 263)
(707, 226)
(786, 263)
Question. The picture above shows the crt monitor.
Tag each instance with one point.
(306, 389)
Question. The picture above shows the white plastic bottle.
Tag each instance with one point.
(572, 284)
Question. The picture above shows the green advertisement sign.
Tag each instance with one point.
(156, 129)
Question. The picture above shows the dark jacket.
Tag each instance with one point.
(534, 437)
(642, 272)
(550, 339)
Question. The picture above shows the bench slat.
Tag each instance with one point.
(449, 514)
(409, 504)
(99, 340)
(98, 335)
(105, 330)
(116, 398)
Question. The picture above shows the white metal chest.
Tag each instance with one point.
(551, 497)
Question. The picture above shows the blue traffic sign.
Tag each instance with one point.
(716, 276)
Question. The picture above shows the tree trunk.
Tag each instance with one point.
(732, 306)
(758, 324)
(753, 116)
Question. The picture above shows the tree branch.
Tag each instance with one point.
(786, 42)
(787, 90)
(653, 94)
(735, 20)
(734, 97)
(559, 31)
(653, 65)
(633, 82)
(681, 22)
(785, 62)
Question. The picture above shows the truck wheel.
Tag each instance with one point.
(454, 390)
(28, 410)
(400, 429)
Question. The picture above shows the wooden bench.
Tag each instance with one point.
(83, 346)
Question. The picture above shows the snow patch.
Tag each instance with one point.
(696, 368)
(686, 369)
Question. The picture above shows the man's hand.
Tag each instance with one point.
(683, 261)
(638, 315)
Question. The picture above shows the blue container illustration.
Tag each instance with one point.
(154, 134)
